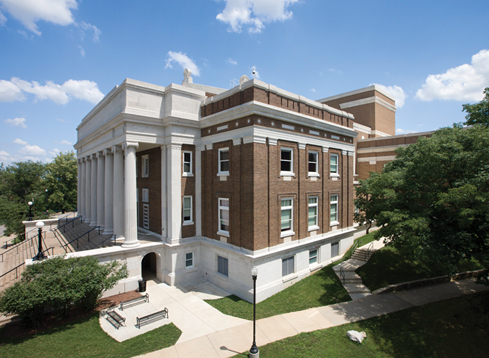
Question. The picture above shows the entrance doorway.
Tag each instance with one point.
(148, 267)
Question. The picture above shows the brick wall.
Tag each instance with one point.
(153, 183)
(188, 189)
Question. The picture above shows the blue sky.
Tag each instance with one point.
(59, 57)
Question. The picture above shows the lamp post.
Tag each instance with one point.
(254, 352)
(39, 255)
(30, 207)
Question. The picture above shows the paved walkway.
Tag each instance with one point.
(209, 333)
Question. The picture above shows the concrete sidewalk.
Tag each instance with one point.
(237, 339)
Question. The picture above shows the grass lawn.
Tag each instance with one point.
(84, 338)
(320, 289)
(387, 266)
(453, 328)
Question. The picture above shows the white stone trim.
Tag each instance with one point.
(379, 133)
(378, 159)
(390, 148)
(361, 90)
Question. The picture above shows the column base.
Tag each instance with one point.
(108, 232)
(93, 223)
(130, 245)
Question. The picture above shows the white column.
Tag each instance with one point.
(198, 190)
(100, 189)
(164, 196)
(93, 192)
(109, 193)
(174, 177)
(78, 187)
(88, 189)
(81, 182)
(118, 192)
(130, 196)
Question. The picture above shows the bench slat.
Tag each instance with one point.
(136, 300)
(152, 317)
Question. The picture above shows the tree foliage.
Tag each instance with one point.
(60, 284)
(51, 186)
(478, 113)
(432, 201)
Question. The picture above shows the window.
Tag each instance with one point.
(313, 213)
(313, 256)
(145, 166)
(187, 163)
(286, 163)
(286, 217)
(189, 259)
(333, 164)
(334, 210)
(187, 210)
(224, 161)
(223, 216)
(222, 265)
(313, 163)
(287, 266)
(145, 195)
(335, 249)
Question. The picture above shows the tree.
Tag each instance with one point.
(432, 201)
(60, 284)
(61, 182)
(478, 113)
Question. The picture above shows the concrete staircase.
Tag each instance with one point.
(80, 236)
(346, 270)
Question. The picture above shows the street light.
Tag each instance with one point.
(39, 255)
(254, 352)
(30, 207)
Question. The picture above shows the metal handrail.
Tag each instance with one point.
(23, 263)
(87, 233)
(17, 246)
(369, 250)
(342, 275)
(109, 238)
(72, 222)
(352, 249)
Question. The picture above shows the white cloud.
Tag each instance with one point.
(17, 122)
(28, 12)
(20, 141)
(61, 120)
(61, 94)
(231, 61)
(183, 60)
(82, 50)
(10, 92)
(396, 92)
(3, 19)
(254, 13)
(405, 131)
(65, 142)
(54, 152)
(257, 75)
(462, 83)
(4, 154)
(313, 90)
(95, 29)
(32, 150)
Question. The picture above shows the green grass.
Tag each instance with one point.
(388, 266)
(85, 338)
(453, 328)
(320, 289)
(363, 240)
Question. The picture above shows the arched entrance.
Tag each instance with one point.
(148, 266)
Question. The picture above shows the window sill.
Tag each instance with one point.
(191, 269)
(287, 174)
(286, 233)
(334, 223)
(187, 175)
(188, 223)
(223, 233)
(223, 174)
(312, 228)
(312, 174)
(334, 175)
(289, 277)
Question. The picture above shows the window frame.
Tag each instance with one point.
(189, 173)
(145, 195)
(316, 172)
(220, 161)
(223, 262)
(316, 206)
(224, 208)
(336, 204)
(290, 230)
(334, 173)
(286, 260)
(314, 257)
(291, 162)
(145, 166)
(191, 259)
(191, 221)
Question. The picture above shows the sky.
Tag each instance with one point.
(58, 58)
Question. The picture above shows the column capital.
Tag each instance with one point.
(200, 148)
(344, 152)
(126, 145)
(325, 149)
(93, 156)
(106, 151)
(114, 149)
(98, 154)
(302, 145)
(351, 153)
(175, 146)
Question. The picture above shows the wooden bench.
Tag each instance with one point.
(115, 319)
(134, 301)
(152, 317)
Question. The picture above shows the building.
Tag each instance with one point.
(221, 180)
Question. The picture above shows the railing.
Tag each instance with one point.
(369, 251)
(79, 237)
(352, 249)
(342, 276)
(16, 268)
(72, 222)
(111, 238)
(17, 246)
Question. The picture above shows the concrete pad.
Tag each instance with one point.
(356, 296)
(301, 321)
(335, 317)
(356, 288)
(196, 348)
(233, 341)
(276, 328)
(169, 352)
(319, 319)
